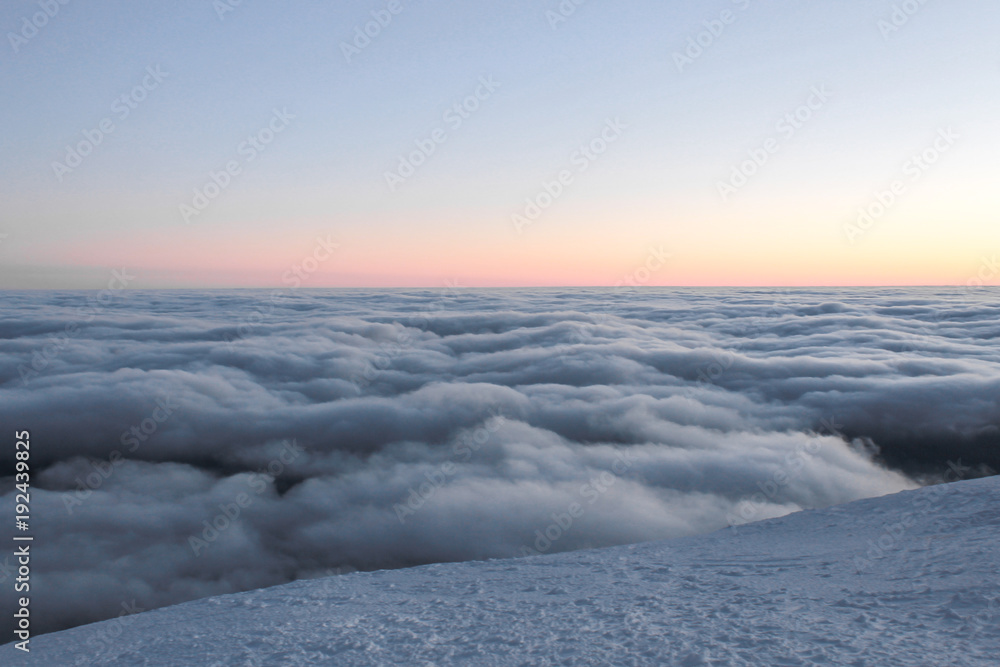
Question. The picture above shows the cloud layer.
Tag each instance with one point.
(187, 444)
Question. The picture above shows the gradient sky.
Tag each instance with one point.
(654, 191)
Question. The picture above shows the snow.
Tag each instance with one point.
(907, 579)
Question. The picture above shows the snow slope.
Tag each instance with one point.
(908, 579)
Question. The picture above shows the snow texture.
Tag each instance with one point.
(907, 579)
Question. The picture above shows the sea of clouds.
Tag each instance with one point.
(192, 443)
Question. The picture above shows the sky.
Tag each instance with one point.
(730, 142)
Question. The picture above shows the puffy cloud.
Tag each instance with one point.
(187, 444)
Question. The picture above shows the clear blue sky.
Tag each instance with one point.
(657, 184)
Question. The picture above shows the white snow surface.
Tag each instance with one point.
(907, 579)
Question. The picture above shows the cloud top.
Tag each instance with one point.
(187, 444)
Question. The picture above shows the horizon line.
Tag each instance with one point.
(494, 287)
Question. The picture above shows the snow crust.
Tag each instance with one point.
(907, 579)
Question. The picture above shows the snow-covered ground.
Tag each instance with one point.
(907, 579)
